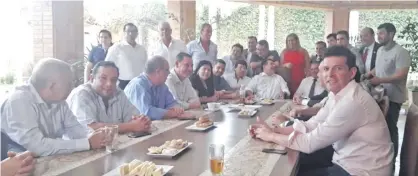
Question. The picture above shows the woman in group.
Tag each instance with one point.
(202, 81)
(296, 59)
(99, 52)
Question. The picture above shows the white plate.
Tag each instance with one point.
(237, 106)
(170, 156)
(195, 128)
(213, 110)
(115, 172)
(253, 112)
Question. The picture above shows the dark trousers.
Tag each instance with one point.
(123, 83)
(316, 160)
(392, 117)
(334, 170)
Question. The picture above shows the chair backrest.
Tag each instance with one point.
(409, 150)
(285, 73)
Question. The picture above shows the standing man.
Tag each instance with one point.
(167, 46)
(128, 55)
(343, 40)
(332, 39)
(203, 48)
(230, 60)
(252, 44)
(320, 48)
(262, 52)
(369, 50)
(391, 71)
(179, 84)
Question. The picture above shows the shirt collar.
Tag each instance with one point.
(350, 86)
(124, 42)
(34, 92)
(114, 98)
(174, 75)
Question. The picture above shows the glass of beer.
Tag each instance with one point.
(111, 134)
(216, 152)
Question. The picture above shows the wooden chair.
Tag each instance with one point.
(409, 150)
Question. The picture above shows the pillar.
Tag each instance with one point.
(337, 19)
(182, 18)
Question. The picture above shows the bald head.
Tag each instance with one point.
(367, 36)
(165, 30)
(157, 69)
(47, 70)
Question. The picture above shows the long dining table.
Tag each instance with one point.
(243, 154)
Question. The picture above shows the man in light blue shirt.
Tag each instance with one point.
(35, 117)
(203, 48)
(149, 93)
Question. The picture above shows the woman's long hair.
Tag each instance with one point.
(297, 41)
(197, 83)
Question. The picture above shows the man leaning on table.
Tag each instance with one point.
(149, 93)
(351, 121)
(100, 102)
(179, 84)
(35, 117)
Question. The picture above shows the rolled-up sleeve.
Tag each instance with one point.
(338, 124)
(24, 130)
(141, 98)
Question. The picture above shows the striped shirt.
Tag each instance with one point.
(88, 106)
(42, 128)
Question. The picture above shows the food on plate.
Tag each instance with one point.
(246, 112)
(204, 122)
(139, 168)
(169, 147)
(267, 101)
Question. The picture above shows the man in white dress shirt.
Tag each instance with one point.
(179, 84)
(310, 86)
(238, 78)
(167, 46)
(35, 117)
(203, 48)
(267, 84)
(351, 121)
(100, 102)
(129, 56)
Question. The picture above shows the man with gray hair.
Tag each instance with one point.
(167, 46)
(35, 117)
(100, 102)
(149, 93)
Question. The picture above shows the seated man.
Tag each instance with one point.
(179, 84)
(36, 117)
(238, 78)
(309, 87)
(99, 102)
(351, 121)
(222, 88)
(150, 95)
(268, 84)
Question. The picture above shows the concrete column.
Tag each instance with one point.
(337, 19)
(41, 22)
(182, 18)
(68, 30)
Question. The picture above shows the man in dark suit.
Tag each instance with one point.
(252, 43)
(369, 49)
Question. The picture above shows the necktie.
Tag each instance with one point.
(312, 90)
(364, 56)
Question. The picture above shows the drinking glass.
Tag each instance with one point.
(111, 134)
(216, 158)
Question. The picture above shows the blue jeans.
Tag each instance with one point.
(334, 170)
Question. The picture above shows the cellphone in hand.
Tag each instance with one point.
(276, 151)
(138, 134)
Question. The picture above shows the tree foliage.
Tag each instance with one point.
(410, 35)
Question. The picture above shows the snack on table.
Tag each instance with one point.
(245, 112)
(137, 167)
(267, 101)
(204, 122)
(169, 147)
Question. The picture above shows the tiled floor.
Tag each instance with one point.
(401, 127)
